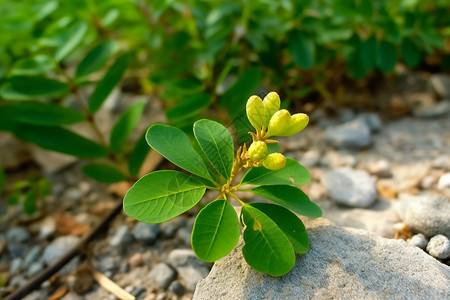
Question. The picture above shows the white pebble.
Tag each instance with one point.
(444, 181)
(418, 240)
(439, 246)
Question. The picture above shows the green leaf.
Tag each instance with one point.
(173, 144)
(2, 179)
(104, 173)
(290, 197)
(410, 53)
(30, 202)
(235, 98)
(138, 155)
(302, 49)
(37, 65)
(387, 56)
(72, 38)
(60, 140)
(289, 223)
(125, 126)
(40, 113)
(96, 58)
(217, 144)
(216, 231)
(108, 82)
(161, 196)
(32, 88)
(266, 249)
(292, 173)
(190, 107)
(368, 53)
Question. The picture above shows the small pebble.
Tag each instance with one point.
(73, 194)
(48, 227)
(439, 246)
(140, 291)
(162, 274)
(17, 235)
(16, 266)
(135, 260)
(418, 240)
(444, 181)
(146, 233)
(35, 269)
(176, 287)
(32, 255)
(121, 238)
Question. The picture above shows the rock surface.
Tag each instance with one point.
(342, 263)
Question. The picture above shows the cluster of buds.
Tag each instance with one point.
(269, 121)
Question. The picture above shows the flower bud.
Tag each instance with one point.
(257, 151)
(257, 113)
(297, 123)
(274, 161)
(272, 103)
(278, 123)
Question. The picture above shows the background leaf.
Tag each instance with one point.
(289, 223)
(292, 173)
(32, 88)
(36, 65)
(61, 140)
(216, 231)
(266, 249)
(190, 107)
(125, 126)
(161, 196)
(217, 144)
(72, 38)
(410, 52)
(108, 82)
(104, 173)
(40, 113)
(173, 144)
(302, 49)
(387, 56)
(96, 58)
(138, 155)
(290, 197)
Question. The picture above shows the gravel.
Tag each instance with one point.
(146, 233)
(162, 274)
(439, 246)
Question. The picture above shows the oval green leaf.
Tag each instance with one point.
(72, 38)
(104, 173)
(302, 49)
(161, 196)
(217, 144)
(410, 52)
(190, 107)
(216, 231)
(125, 126)
(292, 174)
(60, 140)
(290, 197)
(174, 144)
(387, 56)
(266, 249)
(108, 82)
(289, 223)
(32, 88)
(37, 65)
(40, 113)
(96, 58)
(138, 155)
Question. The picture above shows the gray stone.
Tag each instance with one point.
(439, 246)
(380, 168)
(189, 267)
(310, 158)
(444, 181)
(350, 187)
(436, 110)
(184, 235)
(138, 292)
(169, 228)
(17, 235)
(146, 233)
(73, 194)
(418, 240)
(48, 227)
(121, 238)
(427, 214)
(162, 274)
(341, 263)
(440, 83)
(372, 121)
(35, 268)
(58, 248)
(354, 135)
(176, 287)
(16, 266)
(108, 263)
(32, 255)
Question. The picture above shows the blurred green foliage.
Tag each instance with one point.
(194, 55)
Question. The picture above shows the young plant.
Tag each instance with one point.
(272, 233)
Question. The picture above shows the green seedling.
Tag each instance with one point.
(272, 232)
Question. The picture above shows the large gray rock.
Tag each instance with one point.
(350, 187)
(427, 214)
(354, 135)
(342, 263)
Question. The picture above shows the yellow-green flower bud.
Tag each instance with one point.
(257, 151)
(272, 103)
(298, 123)
(257, 113)
(274, 161)
(278, 123)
